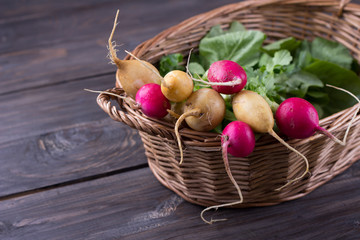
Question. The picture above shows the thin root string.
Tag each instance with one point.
(142, 62)
(327, 133)
(225, 146)
(193, 112)
(173, 114)
(272, 133)
(112, 51)
(187, 64)
(105, 92)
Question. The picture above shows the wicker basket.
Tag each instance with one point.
(202, 179)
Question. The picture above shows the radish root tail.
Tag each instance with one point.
(193, 112)
(327, 133)
(225, 146)
(112, 45)
(272, 133)
(104, 92)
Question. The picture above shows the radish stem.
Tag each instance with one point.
(327, 133)
(112, 51)
(272, 133)
(193, 112)
(225, 145)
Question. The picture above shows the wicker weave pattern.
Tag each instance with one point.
(202, 179)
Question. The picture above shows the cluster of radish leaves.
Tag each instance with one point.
(279, 70)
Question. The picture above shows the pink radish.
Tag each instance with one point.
(225, 76)
(239, 140)
(297, 118)
(251, 108)
(149, 99)
(226, 71)
(152, 101)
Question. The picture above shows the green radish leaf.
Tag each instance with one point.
(331, 51)
(170, 62)
(330, 73)
(236, 26)
(265, 59)
(214, 31)
(229, 115)
(303, 55)
(196, 69)
(241, 47)
(298, 83)
(281, 58)
(218, 128)
(289, 44)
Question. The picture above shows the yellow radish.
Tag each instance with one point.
(251, 108)
(131, 74)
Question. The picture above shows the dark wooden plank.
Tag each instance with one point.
(134, 205)
(37, 111)
(52, 44)
(77, 152)
(59, 134)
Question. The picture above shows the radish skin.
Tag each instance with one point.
(251, 108)
(152, 102)
(226, 71)
(203, 111)
(225, 77)
(131, 74)
(237, 139)
(149, 99)
(298, 118)
(177, 86)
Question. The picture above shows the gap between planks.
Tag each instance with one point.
(59, 83)
(71, 182)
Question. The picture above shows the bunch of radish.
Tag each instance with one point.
(205, 108)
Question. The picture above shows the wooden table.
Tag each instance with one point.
(70, 172)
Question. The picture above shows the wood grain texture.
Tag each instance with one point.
(77, 152)
(45, 44)
(135, 206)
(45, 114)
(39, 111)
(73, 173)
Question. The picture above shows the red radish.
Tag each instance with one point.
(251, 108)
(297, 118)
(226, 71)
(239, 140)
(149, 99)
(152, 101)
